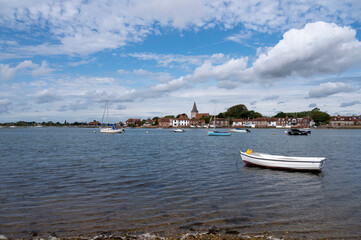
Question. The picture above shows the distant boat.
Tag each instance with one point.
(178, 130)
(295, 131)
(218, 133)
(282, 162)
(240, 130)
(109, 128)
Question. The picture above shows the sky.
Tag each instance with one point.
(63, 60)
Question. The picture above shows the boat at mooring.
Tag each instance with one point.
(111, 129)
(295, 131)
(282, 162)
(178, 130)
(240, 130)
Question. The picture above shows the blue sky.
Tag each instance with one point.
(62, 60)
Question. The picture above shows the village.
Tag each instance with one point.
(204, 120)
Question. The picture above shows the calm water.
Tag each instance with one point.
(72, 181)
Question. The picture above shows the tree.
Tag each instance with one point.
(280, 115)
(155, 121)
(319, 117)
(169, 116)
(236, 111)
(206, 118)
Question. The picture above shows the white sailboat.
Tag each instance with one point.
(109, 128)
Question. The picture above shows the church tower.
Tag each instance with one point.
(194, 111)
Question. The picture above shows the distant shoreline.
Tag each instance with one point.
(185, 127)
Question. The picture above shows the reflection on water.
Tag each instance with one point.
(72, 181)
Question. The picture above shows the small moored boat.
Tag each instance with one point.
(219, 133)
(282, 162)
(240, 130)
(295, 131)
(178, 130)
(111, 129)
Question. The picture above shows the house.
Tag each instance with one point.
(133, 122)
(148, 123)
(220, 123)
(164, 122)
(341, 121)
(181, 121)
(239, 122)
(94, 123)
(260, 122)
(197, 122)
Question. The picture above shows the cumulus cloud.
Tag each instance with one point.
(318, 48)
(329, 88)
(8, 72)
(42, 70)
(348, 104)
(46, 96)
(227, 74)
(183, 61)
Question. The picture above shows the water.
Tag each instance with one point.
(72, 181)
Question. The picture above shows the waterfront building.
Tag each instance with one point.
(341, 121)
(181, 121)
(94, 123)
(133, 122)
(164, 122)
(220, 123)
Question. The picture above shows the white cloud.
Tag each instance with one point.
(8, 72)
(318, 48)
(46, 96)
(240, 37)
(184, 61)
(44, 69)
(329, 88)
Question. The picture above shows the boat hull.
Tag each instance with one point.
(215, 133)
(240, 130)
(283, 162)
(111, 130)
(178, 130)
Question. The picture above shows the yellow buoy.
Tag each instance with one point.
(249, 151)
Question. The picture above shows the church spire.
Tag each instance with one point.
(194, 111)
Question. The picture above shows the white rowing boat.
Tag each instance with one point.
(282, 162)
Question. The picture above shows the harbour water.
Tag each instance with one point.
(72, 181)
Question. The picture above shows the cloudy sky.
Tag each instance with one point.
(62, 60)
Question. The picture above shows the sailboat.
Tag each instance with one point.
(109, 128)
(217, 133)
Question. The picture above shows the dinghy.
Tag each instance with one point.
(282, 162)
